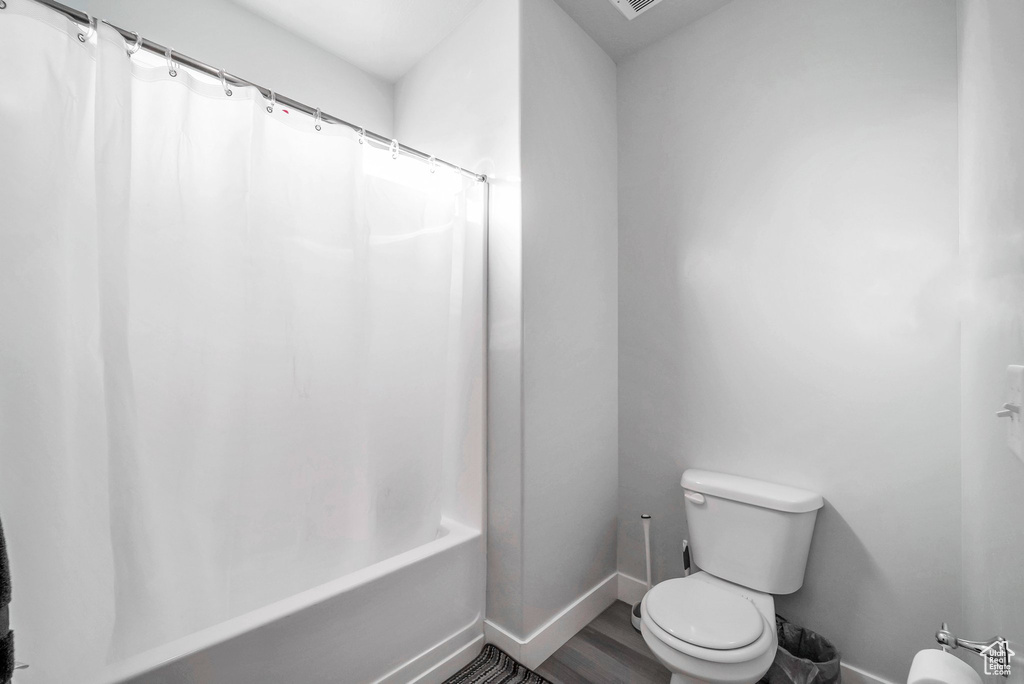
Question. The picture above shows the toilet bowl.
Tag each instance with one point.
(750, 539)
(704, 629)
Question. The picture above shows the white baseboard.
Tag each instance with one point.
(630, 589)
(855, 675)
(549, 637)
(493, 634)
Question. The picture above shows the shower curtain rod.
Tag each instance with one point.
(177, 57)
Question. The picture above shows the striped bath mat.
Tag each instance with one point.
(493, 666)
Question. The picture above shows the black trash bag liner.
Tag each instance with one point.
(804, 657)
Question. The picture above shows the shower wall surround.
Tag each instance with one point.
(788, 242)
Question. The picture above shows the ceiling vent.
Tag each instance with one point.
(634, 8)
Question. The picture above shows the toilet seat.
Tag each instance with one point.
(705, 615)
(765, 641)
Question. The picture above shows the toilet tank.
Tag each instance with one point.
(752, 533)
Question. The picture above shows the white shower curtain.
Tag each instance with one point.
(235, 352)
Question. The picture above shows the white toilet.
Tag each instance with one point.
(750, 539)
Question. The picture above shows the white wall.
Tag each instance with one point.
(552, 466)
(570, 313)
(225, 35)
(788, 234)
(992, 309)
(461, 102)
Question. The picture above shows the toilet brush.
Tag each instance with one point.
(635, 614)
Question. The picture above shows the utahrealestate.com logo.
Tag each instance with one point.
(997, 658)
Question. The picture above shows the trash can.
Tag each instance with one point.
(804, 657)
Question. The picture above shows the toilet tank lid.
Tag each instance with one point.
(748, 490)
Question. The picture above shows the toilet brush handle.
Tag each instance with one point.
(647, 546)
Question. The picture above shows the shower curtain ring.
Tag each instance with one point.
(90, 29)
(3, 5)
(136, 46)
(172, 68)
(317, 118)
(273, 102)
(224, 83)
(395, 148)
(432, 164)
(362, 136)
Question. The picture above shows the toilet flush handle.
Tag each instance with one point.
(694, 497)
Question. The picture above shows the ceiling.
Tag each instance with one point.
(620, 37)
(388, 37)
(383, 37)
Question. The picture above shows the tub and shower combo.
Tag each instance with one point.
(414, 617)
(242, 421)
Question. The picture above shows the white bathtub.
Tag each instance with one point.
(416, 617)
